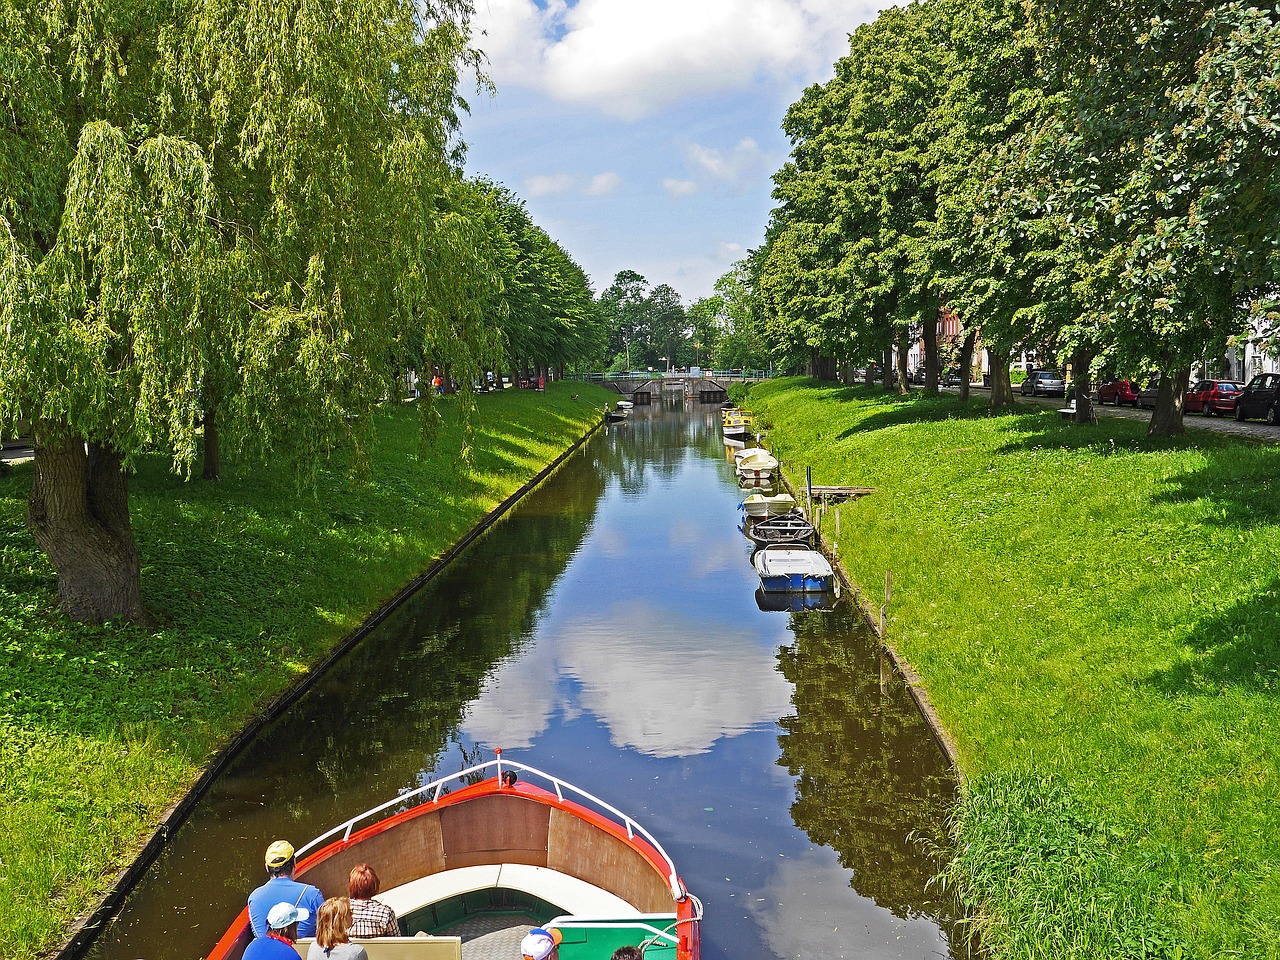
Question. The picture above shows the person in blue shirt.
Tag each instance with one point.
(282, 888)
(282, 932)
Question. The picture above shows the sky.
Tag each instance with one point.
(642, 134)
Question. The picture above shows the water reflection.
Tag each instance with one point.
(608, 631)
(868, 785)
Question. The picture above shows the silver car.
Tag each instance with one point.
(1044, 383)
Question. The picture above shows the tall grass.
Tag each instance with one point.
(1095, 616)
(102, 728)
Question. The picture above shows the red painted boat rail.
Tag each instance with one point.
(502, 768)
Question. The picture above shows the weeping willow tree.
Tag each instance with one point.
(220, 222)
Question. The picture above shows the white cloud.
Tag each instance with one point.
(629, 58)
(688, 686)
(603, 183)
(679, 188)
(544, 185)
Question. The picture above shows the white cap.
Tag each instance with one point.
(538, 943)
(283, 914)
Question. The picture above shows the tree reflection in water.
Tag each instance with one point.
(871, 783)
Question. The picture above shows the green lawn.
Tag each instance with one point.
(102, 728)
(1096, 620)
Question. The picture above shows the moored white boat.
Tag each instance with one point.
(509, 852)
(786, 568)
(765, 505)
(759, 463)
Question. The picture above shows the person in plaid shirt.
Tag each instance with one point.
(369, 917)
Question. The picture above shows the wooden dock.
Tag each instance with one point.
(834, 494)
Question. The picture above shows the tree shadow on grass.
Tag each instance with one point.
(1240, 480)
(1239, 648)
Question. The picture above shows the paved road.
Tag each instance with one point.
(1252, 429)
(14, 452)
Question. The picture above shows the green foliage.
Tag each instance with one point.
(101, 728)
(1086, 179)
(1091, 609)
(643, 324)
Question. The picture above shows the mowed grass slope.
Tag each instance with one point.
(1095, 616)
(252, 582)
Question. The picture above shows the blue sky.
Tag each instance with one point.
(642, 134)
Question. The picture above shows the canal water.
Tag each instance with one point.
(607, 631)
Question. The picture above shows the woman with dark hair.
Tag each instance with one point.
(371, 918)
(333, 933)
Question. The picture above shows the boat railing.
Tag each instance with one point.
(432, 792)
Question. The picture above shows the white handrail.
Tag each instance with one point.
(436, 786)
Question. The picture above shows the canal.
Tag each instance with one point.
(607, 631)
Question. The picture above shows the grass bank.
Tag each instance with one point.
(1096, 619)
(252, 582)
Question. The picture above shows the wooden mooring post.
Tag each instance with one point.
(884, 607)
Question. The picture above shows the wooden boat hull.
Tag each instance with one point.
(433, 854)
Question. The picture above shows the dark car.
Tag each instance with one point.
(1118, 392)
(1212, 396)
(1260, 398)
(1147, 395)
(1043, 383)
(951, 378)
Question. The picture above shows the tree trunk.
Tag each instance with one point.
(78, 514)
(212, 446)
(932, 375)
(1083, 387)
(966, 362)
(886, 369)
(1001, 388)
(1166, 418)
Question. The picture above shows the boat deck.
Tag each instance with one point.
(492, 936)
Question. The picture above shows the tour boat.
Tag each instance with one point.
(787, 568)
(472, 861)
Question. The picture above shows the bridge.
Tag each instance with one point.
(646, 386)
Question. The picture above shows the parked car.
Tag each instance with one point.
(1147, 395)
(1260, 398)
(1118, 392)
(951, 378)
(1212, 396)
(1043, 383)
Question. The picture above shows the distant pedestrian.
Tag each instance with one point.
(438, 382)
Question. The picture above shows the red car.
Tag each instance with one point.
(1118, 392)
(1212, 396)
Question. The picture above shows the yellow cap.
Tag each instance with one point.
(279, 853)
